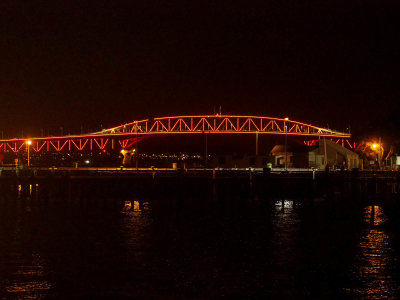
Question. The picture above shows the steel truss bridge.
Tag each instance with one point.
(126, 135)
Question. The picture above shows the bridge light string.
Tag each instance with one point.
(224, 117)
(179, 125)
(108, 132)
(127, 134)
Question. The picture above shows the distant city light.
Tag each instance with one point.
(87, 161)
(29, 142)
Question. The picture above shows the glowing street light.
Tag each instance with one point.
(285, 128)
(28, 143)
(378, 148)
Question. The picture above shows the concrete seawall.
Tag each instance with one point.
(147, 183)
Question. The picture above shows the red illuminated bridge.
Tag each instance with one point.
(126, 135)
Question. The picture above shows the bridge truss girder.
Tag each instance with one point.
(59, 144)
(224, 125)
(126, 135)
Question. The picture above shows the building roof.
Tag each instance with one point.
(337, 147)
(290, 148)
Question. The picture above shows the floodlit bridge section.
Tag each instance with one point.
(126, 135)
(224, 124)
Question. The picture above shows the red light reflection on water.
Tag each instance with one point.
(375, 258)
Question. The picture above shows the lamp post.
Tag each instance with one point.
(28, 143)
(380, 153)
(257, 143)
(285, 128)
(206, 150)
(374, 147)
(378, 148)
(137, 148)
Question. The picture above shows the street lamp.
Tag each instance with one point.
(137, 148)
(285, 127)
(379, 151)
(28, 143)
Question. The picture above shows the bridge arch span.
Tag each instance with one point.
(223, 124)
(126, 135)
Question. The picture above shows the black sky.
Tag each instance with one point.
(72, 63)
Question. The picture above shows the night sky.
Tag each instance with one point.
(103, 63)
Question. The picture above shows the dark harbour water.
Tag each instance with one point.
(197, 247)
